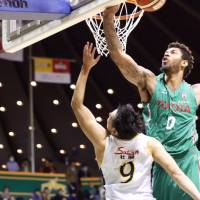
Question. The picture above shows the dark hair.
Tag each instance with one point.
(127, 122)
(187, 55)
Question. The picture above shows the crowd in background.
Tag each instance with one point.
(94, 193)
(13, 165)
(74, 191)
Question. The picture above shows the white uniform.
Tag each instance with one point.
(126, 168)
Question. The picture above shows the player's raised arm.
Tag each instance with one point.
(133, 72)
(93, 130)
(163, 158)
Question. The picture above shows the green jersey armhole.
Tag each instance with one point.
(153, 96)
(195, 100)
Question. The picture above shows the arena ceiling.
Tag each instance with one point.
(177, 21)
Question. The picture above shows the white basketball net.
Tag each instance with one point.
(123, 28)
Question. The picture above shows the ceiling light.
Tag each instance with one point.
(43, 159)
(98, 106)
(33, 83)
(3, 166)
(19, 151)
(30, 128)
(62, 151)
(56, 102)
(72, 86)
(82, 146)
(54, 130)
(2, 109)
(77, 164)
(39, 146)
(110, 91)
(1, 84)
(74, 124)
(99, 119)
(19, 103)
(11, 134)
(1, 146)
(140, 105)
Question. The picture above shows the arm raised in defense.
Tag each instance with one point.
(164, 159)
(134, 73)
(93, 130)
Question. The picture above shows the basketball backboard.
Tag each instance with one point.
(17, 34)
(34, 9)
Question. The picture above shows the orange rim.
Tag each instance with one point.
(124, 17)
(157, 6)
(131, 1)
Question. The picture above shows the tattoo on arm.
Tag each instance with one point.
(111, 35)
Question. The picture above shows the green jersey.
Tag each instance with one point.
(170, 116)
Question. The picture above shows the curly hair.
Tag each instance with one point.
(186, 55)
(127, 122)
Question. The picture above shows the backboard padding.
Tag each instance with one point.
(19, 38)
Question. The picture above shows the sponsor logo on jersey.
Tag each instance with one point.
(176, 107)
(122, 151)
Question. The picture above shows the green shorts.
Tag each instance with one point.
(164, 188)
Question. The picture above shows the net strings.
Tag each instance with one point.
(123, 28)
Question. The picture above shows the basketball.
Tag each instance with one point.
(150, 5)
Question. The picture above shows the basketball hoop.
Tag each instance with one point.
(124, 24)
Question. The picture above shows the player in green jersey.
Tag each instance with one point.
(170, 107)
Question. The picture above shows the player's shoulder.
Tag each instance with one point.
(154, 140)
(196, 90)
(153, 143)
(160, 78)
(141, 136)
(147, 140)
(196, 86)
(149, 143)
(192, 86)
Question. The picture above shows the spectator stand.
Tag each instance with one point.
(23, 184)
